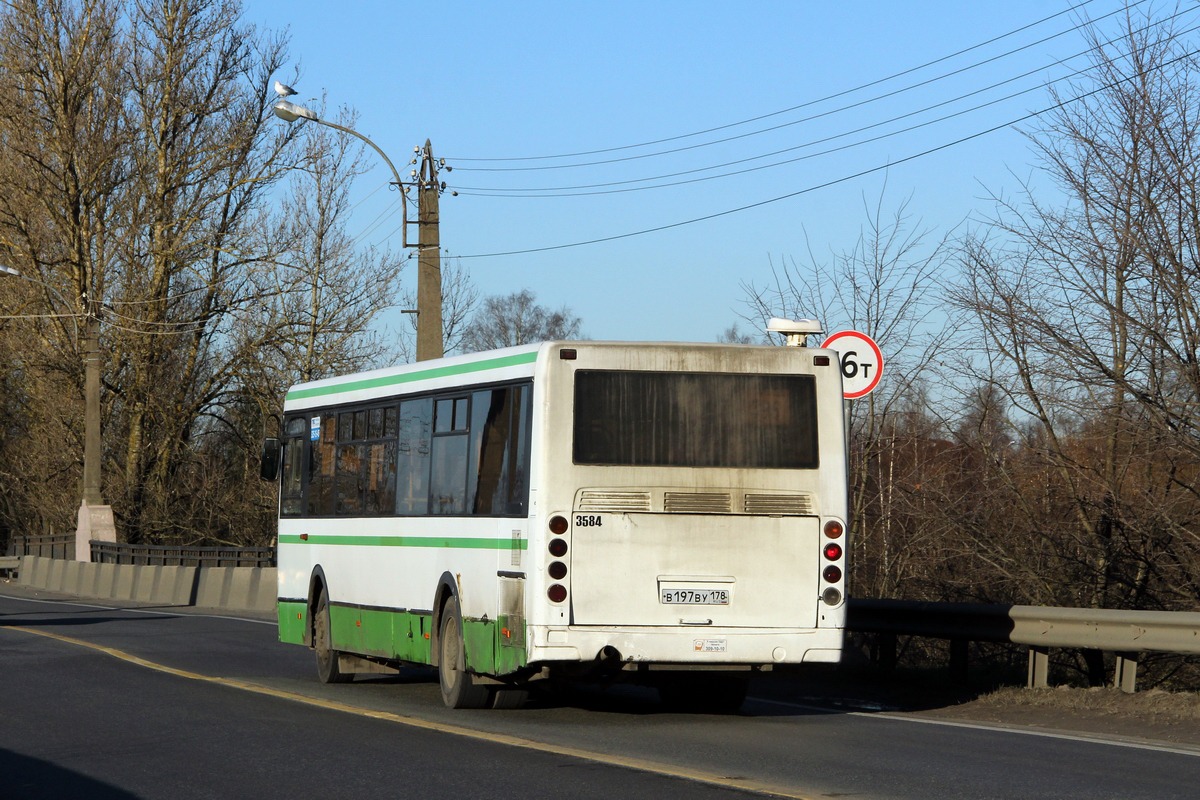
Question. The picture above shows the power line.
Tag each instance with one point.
(801, 105)
(835, 181)
(604, 188)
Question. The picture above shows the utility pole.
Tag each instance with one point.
(92, 443)
(95, 518)
(429, 259)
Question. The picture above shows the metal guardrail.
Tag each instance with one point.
(1125, 633)
(59, 545)
(171, 556)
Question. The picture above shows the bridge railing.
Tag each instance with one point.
(59, 545)
(177, 556)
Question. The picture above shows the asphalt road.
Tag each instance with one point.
(171, 703)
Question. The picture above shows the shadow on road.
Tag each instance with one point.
(27, 778)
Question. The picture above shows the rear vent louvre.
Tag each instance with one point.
(616, 502)
(778, 504)
(697, 502)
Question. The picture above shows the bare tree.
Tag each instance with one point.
(204, 156)
(134, 194)
(735, 335)
(63, 169)
(327, 291)
(1091, 322)
(514, 319)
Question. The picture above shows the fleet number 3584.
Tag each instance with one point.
(588, 520)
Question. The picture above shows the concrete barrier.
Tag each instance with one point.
(237, 587)
(232, 588)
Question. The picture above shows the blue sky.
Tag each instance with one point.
(535, 79)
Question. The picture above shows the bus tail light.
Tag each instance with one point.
(557, 570)
(833, 551)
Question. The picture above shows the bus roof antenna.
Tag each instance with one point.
(796, 331)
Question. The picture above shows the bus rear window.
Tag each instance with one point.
(695, 419)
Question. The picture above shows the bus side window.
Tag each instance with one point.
(414, 449)
(448, 480)
(517, 501)
(291, 487)
(319, 499)
(498, 478)
(487, 478)
(380, 498)
(348, 487)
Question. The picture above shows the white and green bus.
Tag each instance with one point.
(668, 513)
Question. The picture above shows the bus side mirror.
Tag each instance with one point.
(268, 468)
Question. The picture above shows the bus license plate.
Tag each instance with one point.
(696, 597)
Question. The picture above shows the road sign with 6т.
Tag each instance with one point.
(862, 362)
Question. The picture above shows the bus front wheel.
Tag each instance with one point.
(459, 689)
(327, 658)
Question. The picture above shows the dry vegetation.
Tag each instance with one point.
(1158, 704)
(1037, 439)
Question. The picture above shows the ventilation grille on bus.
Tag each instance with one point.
(598, 500)
(778, 504)
(697, 502)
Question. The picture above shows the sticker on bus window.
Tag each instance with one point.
(314, 429)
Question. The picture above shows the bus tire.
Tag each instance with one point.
(327, 658)
(507, 698)
(459, 689)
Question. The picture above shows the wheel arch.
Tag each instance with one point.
(447, 587)
(316, 582)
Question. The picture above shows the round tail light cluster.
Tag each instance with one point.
(557, 569)
(832, 573)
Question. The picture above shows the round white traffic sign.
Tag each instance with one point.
(862, 362)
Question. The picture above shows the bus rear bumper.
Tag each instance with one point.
(643, 648)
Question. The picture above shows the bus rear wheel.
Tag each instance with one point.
(507, 698)
(327, 658)
(459, 689)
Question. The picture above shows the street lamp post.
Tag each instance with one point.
(429, 272)
(95, 520)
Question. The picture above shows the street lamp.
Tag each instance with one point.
(95, 518)
(429, 268)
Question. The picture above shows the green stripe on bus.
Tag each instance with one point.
(409, 377)
(466, 542)
(493, 647)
